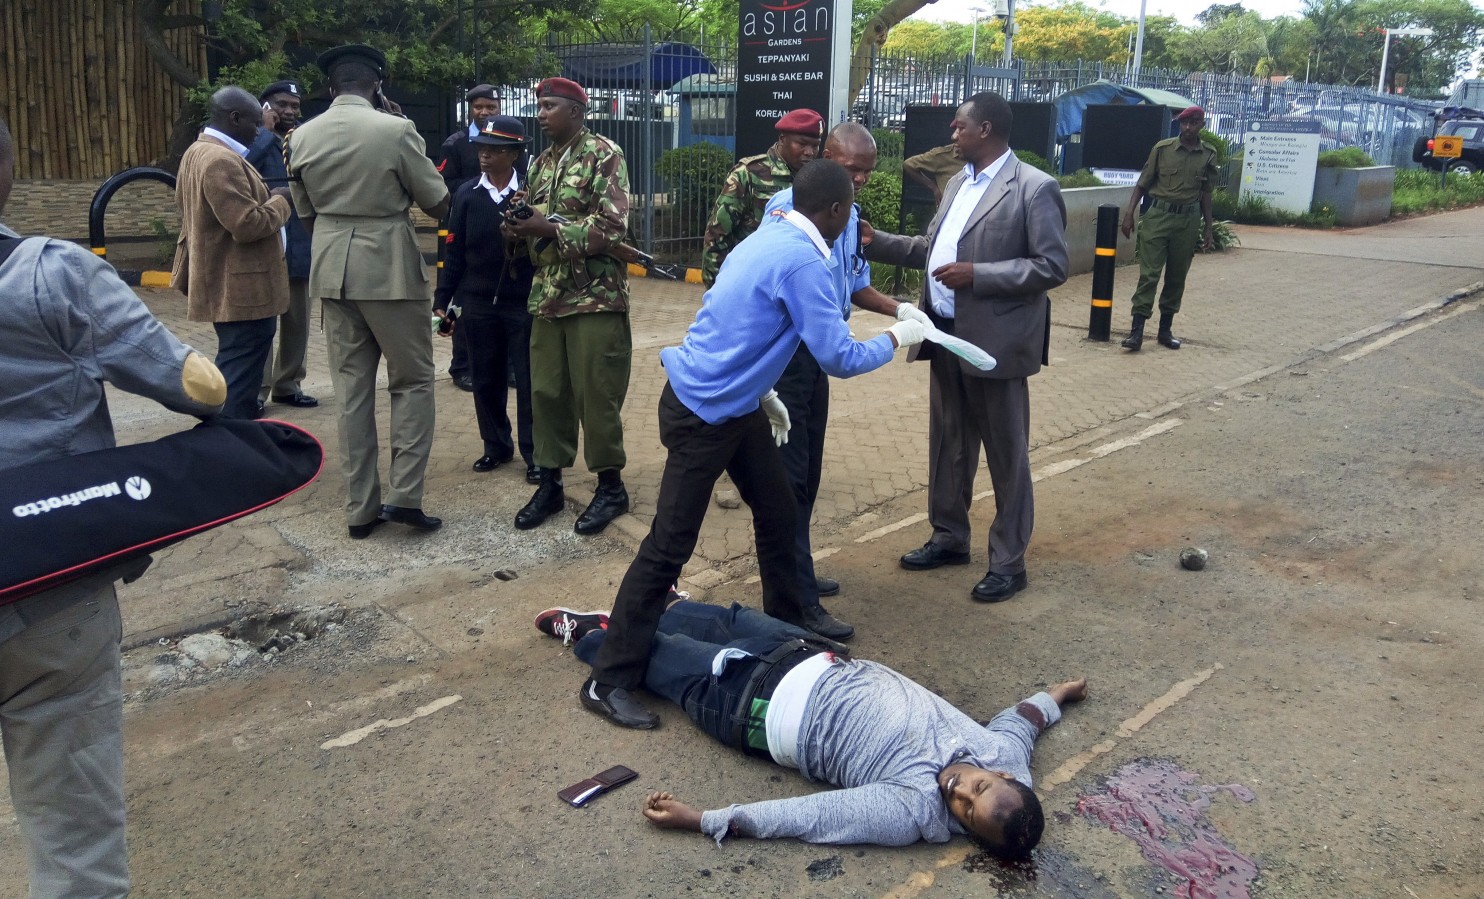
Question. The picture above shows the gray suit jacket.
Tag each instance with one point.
(1016, 239)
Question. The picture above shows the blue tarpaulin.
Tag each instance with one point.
(1070, 105)
(622, 66)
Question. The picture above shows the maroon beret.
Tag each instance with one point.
(562, 87)
(1190, 112)
(801, 121)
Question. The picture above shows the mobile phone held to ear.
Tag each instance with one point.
(380, 99)
(583, 792)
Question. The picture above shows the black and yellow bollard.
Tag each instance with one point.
(1100, 317)
(442, 249)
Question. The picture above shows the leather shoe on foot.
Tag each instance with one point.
(998, 587)
(548, 500)
(489, 463)
(931, 555)
(608, 503)
(301, 400)
(413, 518)
(362, 531)
(816, 619)
(826, 586)
(466, 383)
(617, 705)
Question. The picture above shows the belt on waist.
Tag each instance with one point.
(1176, 208)
(363, 219)
(751, 716)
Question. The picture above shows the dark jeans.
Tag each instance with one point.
(688, 637)
(499, 338)
(698, 454)
(242, 350)
(805, 391)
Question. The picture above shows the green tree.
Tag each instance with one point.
(1233, 43)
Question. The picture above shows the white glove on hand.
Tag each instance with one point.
(777, 416)
(907, 312)
(908, 333)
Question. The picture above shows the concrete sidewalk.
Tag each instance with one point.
(1281, 299)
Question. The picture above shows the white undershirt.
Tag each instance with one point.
(786, 707)
(945, 245)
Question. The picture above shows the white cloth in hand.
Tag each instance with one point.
(907, 312)
(908, 333)
(777, 416)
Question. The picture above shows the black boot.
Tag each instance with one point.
(1165, 337)
(548, 500)
(1135, 338)
(610, 500)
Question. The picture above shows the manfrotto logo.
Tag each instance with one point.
(78, 497)
(137, 488)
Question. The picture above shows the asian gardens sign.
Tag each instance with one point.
(792, 54)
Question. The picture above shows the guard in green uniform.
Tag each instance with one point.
(749, 187)
(580, 339)
(1178, 177)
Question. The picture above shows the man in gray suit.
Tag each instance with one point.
(995, 247)
(360, 166)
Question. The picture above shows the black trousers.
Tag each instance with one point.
(805, 391)
(698, 454)
(499, 337)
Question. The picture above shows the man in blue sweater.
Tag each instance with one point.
(719, 413)
(912, 766)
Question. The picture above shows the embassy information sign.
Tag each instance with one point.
(1278, 162)
(792, 54)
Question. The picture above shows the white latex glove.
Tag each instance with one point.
(777, 416)
(907, 312)
(908, 333)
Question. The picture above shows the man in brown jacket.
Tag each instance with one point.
(229, 260)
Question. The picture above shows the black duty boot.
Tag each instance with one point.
(548, 500)
(1165, 337)
(610, 500)
(1135, 338)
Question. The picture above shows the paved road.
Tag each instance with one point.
(1317, 435)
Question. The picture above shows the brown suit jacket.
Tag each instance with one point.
(1016, 239)
(229, 259)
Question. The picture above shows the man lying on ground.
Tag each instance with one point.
(913, 767)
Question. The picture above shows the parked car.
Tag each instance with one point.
(1456, 121)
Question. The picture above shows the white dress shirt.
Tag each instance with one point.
(236, 146)
(496, 193)
(945, 245)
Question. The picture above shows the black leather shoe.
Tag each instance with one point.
(1166, 337)
(466, 383)
(827, 586)
(931, 555)
(1135, 338)
(548, 500)
(489, 463)
(816, 619)
(301, 400)
(608, 503)
(998, 587)
(413, 518)
(533, 474)
(617, 705)
(362, 531)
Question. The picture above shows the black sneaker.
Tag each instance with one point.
(568, 625)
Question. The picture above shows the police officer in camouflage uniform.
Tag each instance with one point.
(749, 186)
(580, 341)
(1179, 177)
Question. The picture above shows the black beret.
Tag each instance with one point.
(280, 87)
(368, 56)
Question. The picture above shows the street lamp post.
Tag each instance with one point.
(1386, 50)
(1139, 42)
(974, 38)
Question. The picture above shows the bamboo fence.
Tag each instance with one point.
(81, 94)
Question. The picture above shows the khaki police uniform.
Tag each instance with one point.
(360, 171)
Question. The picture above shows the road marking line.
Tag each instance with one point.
(1074, 765)
(1394, 336)
(891, 528)
(351, 738)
